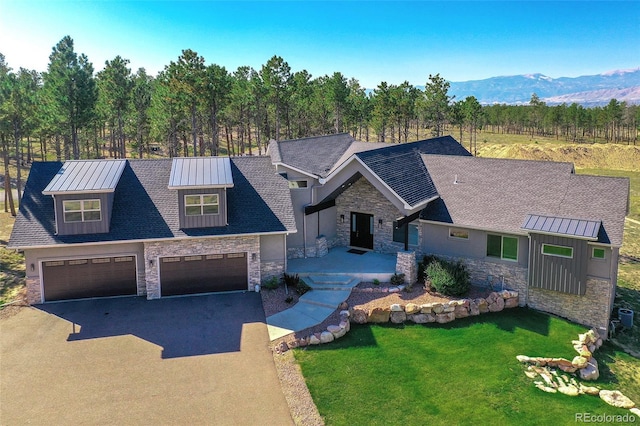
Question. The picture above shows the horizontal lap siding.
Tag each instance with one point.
(559, 273)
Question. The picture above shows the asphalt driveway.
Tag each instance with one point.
(188, 360)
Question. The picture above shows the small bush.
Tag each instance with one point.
(448, 278)
(291, 280)
(302, 287)
(397, 279)
(271, 284)
(376, 281)
(289, 299)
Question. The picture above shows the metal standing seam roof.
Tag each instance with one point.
(82, 176)
(579, 228)
(201, 172)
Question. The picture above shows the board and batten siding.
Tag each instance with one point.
(204, 221)
(77, 228)
(567, 275)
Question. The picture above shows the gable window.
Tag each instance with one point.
(597, 253)
(297, 184)
(398, 233)
(460, 234)
(558, 251)
(203, 204)
(502, 247)
(82, 210)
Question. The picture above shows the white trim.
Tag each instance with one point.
(149, 240)
(93, 256)
(200, 187)
(599, 259)
(543, 245)
(94, 191)
(559, 234)
(201, 205)
(295, 169)
(502, 236)
(458, 238)
(82, 210)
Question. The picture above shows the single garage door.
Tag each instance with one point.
(93, 277)
(203, 273)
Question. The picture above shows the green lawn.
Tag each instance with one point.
(11, 263)
(464, 372)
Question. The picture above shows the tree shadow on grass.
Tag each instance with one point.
(507, 320)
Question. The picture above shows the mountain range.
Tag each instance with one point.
(588, 90)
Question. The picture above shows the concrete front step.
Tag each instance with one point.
(343, 285)
(330, 279)
(329, 299)
(383, 277)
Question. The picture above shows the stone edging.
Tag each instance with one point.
(396, 313)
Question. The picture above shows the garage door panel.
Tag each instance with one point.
(203, 274)
(85, 278)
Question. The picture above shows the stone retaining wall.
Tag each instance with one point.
(271, 269)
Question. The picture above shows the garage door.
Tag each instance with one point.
(203, 273)
(93, 277)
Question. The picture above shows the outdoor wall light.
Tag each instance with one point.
(342, 218)
(33, 267)
(379, 223)
(253, 256)
(150, 262)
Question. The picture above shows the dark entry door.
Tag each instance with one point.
(362, 230)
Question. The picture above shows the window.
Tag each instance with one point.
(398, 233)
(198, 205)
(461, 234)
(558, 251)
(82, 210)
(297, 184)
(597, 253)
(502, 247)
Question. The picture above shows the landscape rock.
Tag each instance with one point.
(337, 331)
(616, 399)
(483, 306)
(398, 317)
(396, 307)
(545, 388)
(445, 317)
(461, 311)
(437, 308)
(497, 305)
(343, 306)
(378, 315)
(411, 308)
(426, 308)
(303, 341)
(293, 344)
(512, 302)
(531, 374)
(346, 325)
(523, 358)
(345, 313)
(394, 290)
(569, 390)
(448, 308)
(635, 411)
(579, 362)
(473, 308)
(492, 297)
(326, 337)
(359, 316)
(282, 347)
(422, 318)
(314, 339)
(590, 371)
(589, 390)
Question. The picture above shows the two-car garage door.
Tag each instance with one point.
(203, 273)
(91, 277)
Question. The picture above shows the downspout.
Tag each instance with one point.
(526, 298)
(55, 212)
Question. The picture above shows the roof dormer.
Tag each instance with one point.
(83, 191)
(202, 184)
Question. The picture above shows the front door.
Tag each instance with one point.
(362, 230)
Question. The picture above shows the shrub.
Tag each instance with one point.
(271, 284)
(397, 279)
(289, 299)
(290, 280)
(376, 281)
(302, 287)
(448, 278)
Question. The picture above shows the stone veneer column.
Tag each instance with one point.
(34, 296)
(322, 248)
(406, 264)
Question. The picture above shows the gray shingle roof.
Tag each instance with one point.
(402, 169)
(316, 155)
(498, 194)
(144, 208)
(563, 226)
(82, 176)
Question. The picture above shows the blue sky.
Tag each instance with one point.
(371, 41)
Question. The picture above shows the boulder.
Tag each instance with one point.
(531, 374)
(303, 341)
(359, 316)
(585, 352)
(616, 399)
(545, 388)
(427, 308)
(282, 347)
(461, 311)
(497, 305)
(398, 317)
(569, 390)
(394, 290)
(293, 344)
(396, 307)
(345, 313)
(448, 307)
(437, 308)
(473, 308)
(346, 325)
(314, 339)
(336, 330)
(590, 371)
(523, 358)
(378, 315)
(635, 411)
(483, 306)
(411, 308)
(589, 390)
(343, 306)
(511, 302)
(422, 318)
(491, 298)
(579, 362)
(445, 317)
(326, 337)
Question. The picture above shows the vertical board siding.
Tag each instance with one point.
(77, 228)
(559, 273)
(205, 221)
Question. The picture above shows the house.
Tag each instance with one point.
(193, 225)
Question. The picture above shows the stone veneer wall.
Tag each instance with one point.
(592, 309)
(34, 295)
(153, 250)
(362, 197)
(515, 276)
(406, 264)
(271, 269)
